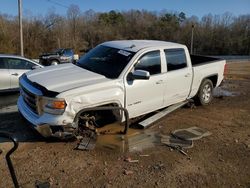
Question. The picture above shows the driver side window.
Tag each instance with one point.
(150, 62)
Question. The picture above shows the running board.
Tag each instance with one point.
(147, 122)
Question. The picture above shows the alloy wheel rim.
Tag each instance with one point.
(206, 93)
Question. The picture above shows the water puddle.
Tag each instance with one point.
(139, 140)
(134, 140)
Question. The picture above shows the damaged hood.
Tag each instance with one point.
(64, 77)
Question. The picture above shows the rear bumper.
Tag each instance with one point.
(47, 125)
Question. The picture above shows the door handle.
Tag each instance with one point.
(159, 82)
(15, 74)
(187, 75)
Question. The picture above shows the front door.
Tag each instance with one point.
(143, 96)
(16, 68)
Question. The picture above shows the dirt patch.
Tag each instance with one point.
(220, 160)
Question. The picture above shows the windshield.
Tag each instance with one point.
(58, 51)
(106, 61)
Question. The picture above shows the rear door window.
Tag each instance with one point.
(176, 59)
(3, 64)
(150, 62)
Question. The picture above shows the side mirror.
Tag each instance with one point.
(35, 67)
(140, 75)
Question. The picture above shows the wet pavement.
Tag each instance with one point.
(12, 122)
(8, 98)
(221, 92)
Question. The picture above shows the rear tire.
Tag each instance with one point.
(54, 62)
(205, 93)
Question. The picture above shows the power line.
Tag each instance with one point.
(20, 10)
(58, 4)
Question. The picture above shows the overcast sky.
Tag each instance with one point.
(190, 7)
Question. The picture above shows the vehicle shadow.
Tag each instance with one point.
(19, 129)
(8, 98)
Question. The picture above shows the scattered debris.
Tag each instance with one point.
(221, 160)
(86, 133)
(39, 184)
(128, 172)
(192, 133)
(176, 142)
(183, 138)
(181, 150)
(86, 143)
(159, 166)
(144, 155)
(128, 159)
(247, 143)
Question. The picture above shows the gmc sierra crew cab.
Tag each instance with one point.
(140, 76)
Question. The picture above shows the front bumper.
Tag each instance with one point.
(47, 125)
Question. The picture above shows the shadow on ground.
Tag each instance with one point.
(21, 130)
(8, 98)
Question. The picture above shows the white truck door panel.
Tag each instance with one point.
(143, 96)
(178, 77)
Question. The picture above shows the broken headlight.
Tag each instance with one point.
(54, 105)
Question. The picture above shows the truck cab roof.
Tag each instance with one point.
(136, 45)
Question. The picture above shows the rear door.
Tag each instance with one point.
(143, 96)
(178, 76)
(16, 68)
(4, 75)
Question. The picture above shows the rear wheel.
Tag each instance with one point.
(205, 93)
(54, 62)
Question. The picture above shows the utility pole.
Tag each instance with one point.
(192, 39)
(20, 26)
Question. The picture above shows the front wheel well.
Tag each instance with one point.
(103, 117)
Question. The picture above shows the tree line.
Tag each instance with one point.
(213, 34)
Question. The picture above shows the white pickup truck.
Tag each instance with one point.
(140, 76)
